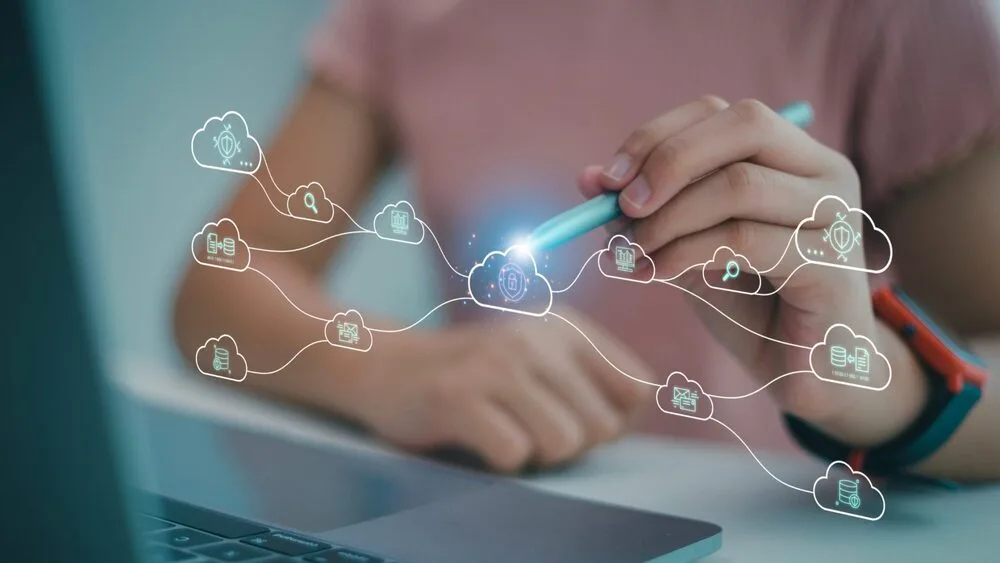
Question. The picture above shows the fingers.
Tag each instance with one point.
(493, 433)
(738, 191)
(745, 131)
(601, 420)
(589, 181)
(632, 154)
(557, 432)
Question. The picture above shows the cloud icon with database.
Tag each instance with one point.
(309, 202)
(681, 396)
(833, 235)
(729, 271)
(219, 245)
(509, 281)
(626, 260)
(224, 143)
(348, 330)
(849, 359)
(851, 493)
(398, 222)
(220, 357)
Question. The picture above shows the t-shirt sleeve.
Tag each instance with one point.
(931, 93)
(348, 47)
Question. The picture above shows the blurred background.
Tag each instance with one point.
(132, 82)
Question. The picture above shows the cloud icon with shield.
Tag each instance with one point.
(509, 281)
(850, 359)
(224, 143)
(835, 236)
(348, 330)
(626, 260)
(218, 245)
(850, 493)
(309, 202)
(220, 357)
(398, 221)
(729, 271)
(681, 396)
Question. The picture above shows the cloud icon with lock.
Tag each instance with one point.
(509, 281)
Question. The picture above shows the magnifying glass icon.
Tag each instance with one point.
(309, 200)
(732, 271)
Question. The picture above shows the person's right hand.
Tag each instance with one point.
(524, 390)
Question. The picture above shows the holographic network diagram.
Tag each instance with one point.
(509, 280)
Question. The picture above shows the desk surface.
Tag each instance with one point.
(761, 519)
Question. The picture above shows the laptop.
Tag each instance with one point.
(67, 494)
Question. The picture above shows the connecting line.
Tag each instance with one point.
(276, 186)
(732, 320)
(578, 274)
(765, 386)
(282, 292)
(766, 470)
(356, 224)
(289, 362)
(776, 264)
(780, 287)
(686, 270)
(421, 319)
(443, 255)
(268, 196)
(320, 241)
(598, 350)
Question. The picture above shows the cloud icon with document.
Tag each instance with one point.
(850, 493)
(218, 245)
(225, 143)
(220, 357)
(681, 396)
(348, 330)
(850, 359)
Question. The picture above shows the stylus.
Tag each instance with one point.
(604, 208)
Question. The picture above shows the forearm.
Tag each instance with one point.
(269, 330)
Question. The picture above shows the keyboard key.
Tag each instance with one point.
(231, 552)
(183, 537)
(342, 556)
(286, 544)
(149, 524)
(204, 519)
(163, 554)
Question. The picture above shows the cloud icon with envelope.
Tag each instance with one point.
(681, 396)
(729, 271)
(833, 235)
(398, 221)
(348, 330)
(626, 260)
(850, 493)
(309, 202)
(225, 143)
(220, 357)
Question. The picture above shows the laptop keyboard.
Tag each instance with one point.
(177, 531)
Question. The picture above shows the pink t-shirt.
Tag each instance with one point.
(498, 105)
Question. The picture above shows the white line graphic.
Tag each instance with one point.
(766, 470)
(421, 319)
(289, 362)
(310, 245)
(287, 298)
(765, 386)
(578, 274)
(443, 255)
(598, 350)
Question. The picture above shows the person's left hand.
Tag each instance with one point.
(709, 174)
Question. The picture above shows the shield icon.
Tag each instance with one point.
(843, 237)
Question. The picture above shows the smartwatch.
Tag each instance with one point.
(956, 379)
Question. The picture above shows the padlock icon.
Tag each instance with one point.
(512, 282)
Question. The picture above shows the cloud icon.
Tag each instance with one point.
(832, 236)
(626, 260)
(348, 330)
(729, 271)
(681, 396)
(224, 143)
(397, 221)
(220, 357)
(309, 202)
(509, 281)
(219, 245)
(849, 359)
(851, 493)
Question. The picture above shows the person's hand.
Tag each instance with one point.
(709, 174)
(517, 391)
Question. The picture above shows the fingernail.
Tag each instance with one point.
(618, 167)
(637, 193)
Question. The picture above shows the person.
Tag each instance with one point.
(499, 107)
